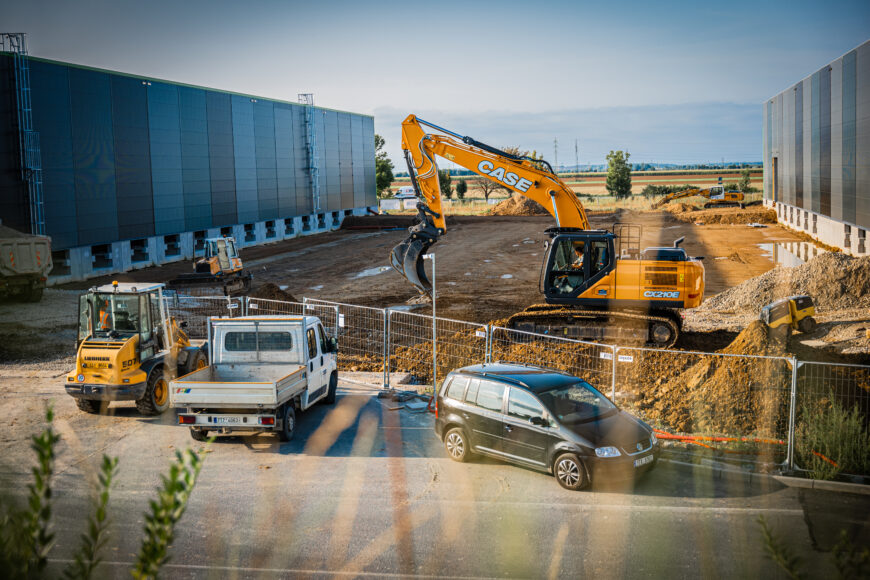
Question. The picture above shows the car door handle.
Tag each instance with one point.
(311, 367)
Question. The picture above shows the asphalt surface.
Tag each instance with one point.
(367, 491)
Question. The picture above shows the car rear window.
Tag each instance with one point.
(457, 388)
(490, 395)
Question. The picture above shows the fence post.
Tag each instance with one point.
(488, 356)
(792, 412)
(387, 313)
(613, 351)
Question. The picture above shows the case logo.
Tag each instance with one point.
(507, 177)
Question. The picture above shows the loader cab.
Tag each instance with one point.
(221, 257)
(575, 261)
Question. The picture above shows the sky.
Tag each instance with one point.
(670, 82)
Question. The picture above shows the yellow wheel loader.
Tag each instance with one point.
(220, 266)
(129, 348)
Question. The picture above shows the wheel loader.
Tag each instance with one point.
(129, 348)
(220, 266)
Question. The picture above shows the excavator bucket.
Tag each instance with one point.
(407, 259)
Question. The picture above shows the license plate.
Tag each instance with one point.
(227, 420)
(643, 460)
(99, 365)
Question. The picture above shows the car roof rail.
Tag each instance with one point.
(530, 365)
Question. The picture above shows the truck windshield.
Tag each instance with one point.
(109, 315)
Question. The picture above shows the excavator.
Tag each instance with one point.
(220, 266)
(597, 284)
(717, 195)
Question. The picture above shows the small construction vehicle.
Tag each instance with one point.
(129, 349)
(220, 266)
(25, 261)
(264, 369)
(717, 195)
(787, 314)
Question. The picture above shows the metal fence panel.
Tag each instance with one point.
(832, 407)
(196, 310)
(590, 361)
(410, 344)
(361, 336)
(327, 314)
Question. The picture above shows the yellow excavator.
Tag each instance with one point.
(717, 195)
(129, 348)
(221, 265)
(597, 284)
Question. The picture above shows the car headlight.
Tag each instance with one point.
(652, 438)
(607, 452)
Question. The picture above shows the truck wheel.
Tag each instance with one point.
(91, 406)
(288, 427)
(34, 295)
(198, 434)
(329, 399)
(156, 397)
(195, 360)
(807, 325)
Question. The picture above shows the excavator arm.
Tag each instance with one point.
(532, 178)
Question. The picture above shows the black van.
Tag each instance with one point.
(544, 419)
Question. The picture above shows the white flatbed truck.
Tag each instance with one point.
(263, 369)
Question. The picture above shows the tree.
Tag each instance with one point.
(618, 174)
(745, 180)
(383, 167)
(461, 188)
(444, 180)
(488, 187)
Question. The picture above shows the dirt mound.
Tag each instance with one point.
(518, 205)
(733, 215)
(680, 208)
(834, 280)
(269, 291)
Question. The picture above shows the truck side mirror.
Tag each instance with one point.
(333, 345)
(183, 324)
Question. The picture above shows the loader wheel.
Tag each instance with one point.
(91, 406)
(196, 360)
(156, 397)
(329, 399)
(807, 325)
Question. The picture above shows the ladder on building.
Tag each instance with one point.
(307, 99)
(28, 139)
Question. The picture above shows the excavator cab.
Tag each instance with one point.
(576, 260)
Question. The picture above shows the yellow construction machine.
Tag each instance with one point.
(794, 313)
(129, 348)
(221, 265)
(717, 195)
(597, 284)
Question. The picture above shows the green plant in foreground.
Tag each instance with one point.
(87, 557)
(832, 440)
(779, 552)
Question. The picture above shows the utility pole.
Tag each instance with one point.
(576, 156)
(556, 154)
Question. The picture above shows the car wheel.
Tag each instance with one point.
(288, 427)
(456, 444)
(156, 397)
(570, 472)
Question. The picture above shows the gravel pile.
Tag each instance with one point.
(834, 280)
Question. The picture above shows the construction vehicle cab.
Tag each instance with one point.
(128, 349)
(221, 265)
(791, 313)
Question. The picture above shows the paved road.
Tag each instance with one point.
(366, 491)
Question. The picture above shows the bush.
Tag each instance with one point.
(831, 440)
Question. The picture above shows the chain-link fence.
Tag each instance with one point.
(588, 360)
(409, 345)
(362, 336)
(196, 310)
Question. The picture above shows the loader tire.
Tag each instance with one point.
(91, 406)
(807, 325)
(195, 360)
(156, 397)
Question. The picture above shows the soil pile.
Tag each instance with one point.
(834, 280)
(518, 205)
(269, 291)
(679, 208)
(725, 216)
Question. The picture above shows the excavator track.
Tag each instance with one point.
(658, 329)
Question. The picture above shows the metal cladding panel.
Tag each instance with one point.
(195, 166)
(837, 139)
(358, 161)
(14, 200)
(285, 160)
(166, 169)
(815, 167)
(849, 144)
(765, 148)
(300, 156)
(222, 172)
(50, 99)
(132, 158)
(267, 173)
(825, 141)
(345, 160)
(808, 143)
(93, 156)
(786, 159)
(331, 166)
(245, 151)
(371, 195)
(798, 144)
(862, 136)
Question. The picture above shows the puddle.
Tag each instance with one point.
(372, 271)
(468, 273)
(318, 287)
(506, 276)
(283, 286)
(790, 254)
(406, 307)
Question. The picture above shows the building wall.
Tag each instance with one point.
(137, 167)
(816, 141)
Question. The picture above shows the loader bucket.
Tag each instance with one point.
(407, 259)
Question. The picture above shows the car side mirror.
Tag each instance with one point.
(539, 421)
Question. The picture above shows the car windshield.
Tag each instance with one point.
(576, 403)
